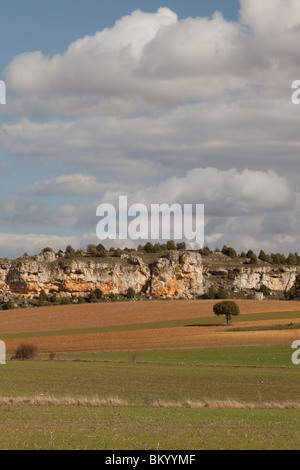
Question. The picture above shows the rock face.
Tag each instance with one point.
(177, 275)
(275, 279)
(173, 275)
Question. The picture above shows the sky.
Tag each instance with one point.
(165, 102)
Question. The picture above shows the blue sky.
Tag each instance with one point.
(170, 104)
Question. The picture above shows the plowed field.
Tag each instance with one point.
(77, 317)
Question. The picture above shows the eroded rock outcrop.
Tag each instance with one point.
(176, 274)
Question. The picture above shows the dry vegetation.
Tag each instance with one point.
(115, 402)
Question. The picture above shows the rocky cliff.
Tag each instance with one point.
(174, 274)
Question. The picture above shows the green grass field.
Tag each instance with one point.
(245, 375)
(266, 356)
(139, 428)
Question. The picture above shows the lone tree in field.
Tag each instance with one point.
(228, 308)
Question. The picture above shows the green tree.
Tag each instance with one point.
(206, 251)
(253, 258)
(265, 290)
(54, 299)
(98, 293)
(148, 248)
(117, 253)
(42, 298)
(211, 293)
(102, 253)
(47, 249)
(181, 246)
(227, 308)
(262, 256)
(222, 294)
(70, 252)
(229, 251)
(130, 293)
(92, 250)
(171, 245)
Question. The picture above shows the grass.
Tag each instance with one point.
(167, 402)
(288, 326)
(259, 356)
(140, 383)
(147, 428)
(220, 398)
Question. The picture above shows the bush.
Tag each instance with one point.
(25, 352)
(171, 245)
(101, 250)
(222, 294)
(130, 293)
(9, 305)
(98, 293)
(211, 293)
(206, 251)
(181, 246)
(42, 298)
(265, 290)
(65, 301)
(47, 250)
(229, 251)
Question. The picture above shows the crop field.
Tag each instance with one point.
(151, 375)
(133, 326)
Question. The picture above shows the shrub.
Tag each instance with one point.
(70, 252)
(92, 250)
(206, 251)
(222, 294)
(171, 245)
(130, 293)
(98, 293)
(25, 352)
(54, 299)
(229, 251)
(42, 298)
(253, 258)
(9, 305)
(265, 290)
(211, 293)
(101, 250)
(181, 246)
(65, 301)
(47, 250)
(148, 248)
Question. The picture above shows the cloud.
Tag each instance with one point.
(223, 192)
(148, 58)
(194, 110)
(66, 184)
(15, 245)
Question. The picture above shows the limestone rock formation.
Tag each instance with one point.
(176, 274)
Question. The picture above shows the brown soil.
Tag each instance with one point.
(122, 313)
(100, 315)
